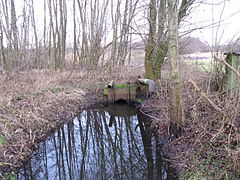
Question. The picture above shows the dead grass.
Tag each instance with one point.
(34, 103)
(209, 146)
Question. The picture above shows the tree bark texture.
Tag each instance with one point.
(176, 106)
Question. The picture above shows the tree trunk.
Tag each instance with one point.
(36, 63)
(14, 26)
(176, 107)
(115, 19)
(157, 45)
(161, 44)
(14, 35)
(3, 62)
(149, 49)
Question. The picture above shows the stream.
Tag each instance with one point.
(105, 142)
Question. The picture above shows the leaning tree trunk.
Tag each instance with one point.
(176, 109)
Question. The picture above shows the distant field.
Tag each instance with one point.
(200, 61)
(201, 65)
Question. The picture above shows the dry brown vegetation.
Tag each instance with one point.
(208, 146)
(35, 103)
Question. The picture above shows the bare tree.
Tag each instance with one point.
(115, 15)
(156, 46)
(36, 62)
(26, 45)
(125, 35)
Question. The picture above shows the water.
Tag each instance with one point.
(113, 142)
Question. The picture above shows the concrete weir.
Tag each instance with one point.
(128, 92)
(122, 93)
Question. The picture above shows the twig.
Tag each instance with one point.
(174, 162)
(206, 97)
(228, 65)
(153, 110)
(218, 133)
(153, 117)
(213, 105)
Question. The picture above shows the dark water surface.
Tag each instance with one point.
(112, 142)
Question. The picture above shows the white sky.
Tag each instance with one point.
(226, 26)
(202, 16)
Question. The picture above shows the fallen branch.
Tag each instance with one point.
(153, 117)
(212, 103)
(174, 162)
(207, 98)
(215, 107)
(228, 65)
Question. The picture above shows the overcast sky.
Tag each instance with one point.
(226, 26)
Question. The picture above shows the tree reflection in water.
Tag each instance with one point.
(114, 142)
